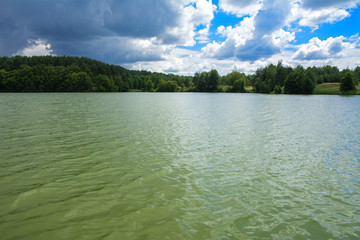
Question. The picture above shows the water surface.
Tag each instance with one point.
(179, 166)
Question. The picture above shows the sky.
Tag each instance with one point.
(186, 36)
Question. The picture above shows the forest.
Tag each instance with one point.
(81, 74)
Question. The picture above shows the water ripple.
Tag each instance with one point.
(179, 166)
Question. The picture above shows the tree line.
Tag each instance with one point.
(288, 80)
(74, 74)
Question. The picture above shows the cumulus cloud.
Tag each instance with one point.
(192, 17)
(329, 3)
(125, 49)
(235, 37)
(146, 34)
(262, 35)
(282, 38)
(317, 49)
(255, 37)
(84, 19)
(187, 62)
(240, 8)
(313, 17)
(36, 48)
(75, 27)
(272, 16)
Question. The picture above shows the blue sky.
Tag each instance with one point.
(186, 36)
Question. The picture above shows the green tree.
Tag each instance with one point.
(105, 84)
(120, 83)
(300, 81)
(270, 76)
(357, 75)
(156, 79)
(265, 79)
(213, 81)
(261, 86)
(280, 75)
(3, 76)
(26, 79)
(167, 86)
(207, 81)
(329, 74)
(201, 81)
(182, 87)
(236, 81)
(20, 80)
(191, 86)
(149, 86)
(309, 82)
(233, 76)
(347, 82)
(293, 83)
(277, 89)
(239, 86)
(78, 82)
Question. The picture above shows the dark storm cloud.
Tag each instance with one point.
(12, 36)
(140, 18)
(71, 26)
(51, 20)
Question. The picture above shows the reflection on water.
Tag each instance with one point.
(179, 166)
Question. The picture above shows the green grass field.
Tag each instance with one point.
(327, 88)
(331, 89)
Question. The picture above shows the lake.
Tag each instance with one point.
(179, 166)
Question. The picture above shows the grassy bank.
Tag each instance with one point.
(331, 89)
(327, 88)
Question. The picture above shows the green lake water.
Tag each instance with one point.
(179, 166)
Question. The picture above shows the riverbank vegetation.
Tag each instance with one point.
(74, 74)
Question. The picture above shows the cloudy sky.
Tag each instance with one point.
(185, 36)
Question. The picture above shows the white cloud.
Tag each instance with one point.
(36, 48)
(310, 13)
(255, 37)
(191, 15)
(262, 36)
(281, 38)
(318, 4)
(241, 8)
(348, 60)
(312, 18)
(203, 35)
(235, 37)
(261, 39)
(126, 49)
(186, 62)
(184, 33)
(317, 49)
(242, 32)
(74, 27)
(145, 34)
(202, 15)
